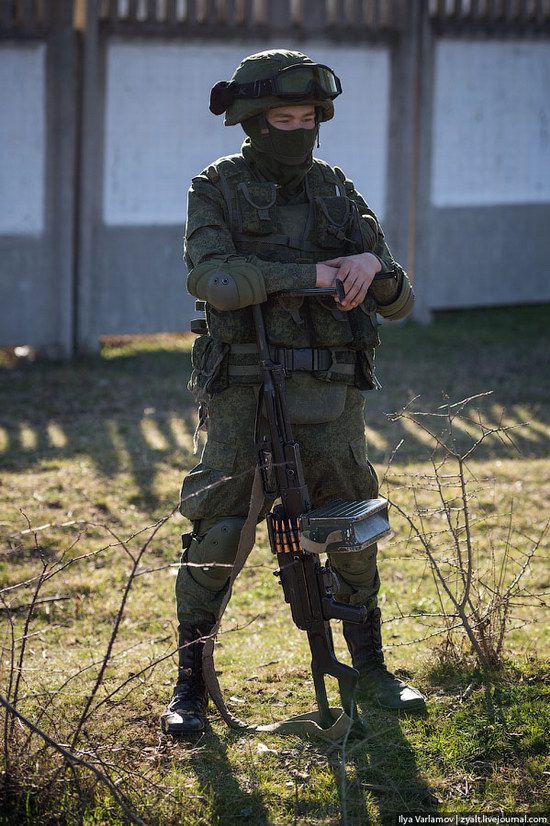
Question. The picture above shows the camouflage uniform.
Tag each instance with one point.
(267, 237)
(327, 404)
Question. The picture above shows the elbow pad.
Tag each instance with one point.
(228, 285)
(402, 305)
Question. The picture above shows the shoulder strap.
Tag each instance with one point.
(226, 174)
(329, 180)
(343, 182)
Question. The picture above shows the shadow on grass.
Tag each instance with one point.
(373, 780)
(228, 801)
(128, 410)
(130, 415)
(379, 777)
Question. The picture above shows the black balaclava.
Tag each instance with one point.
(279, 155)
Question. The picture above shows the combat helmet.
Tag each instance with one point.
(274, 78)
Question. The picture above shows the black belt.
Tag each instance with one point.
(307, 359)
(302, 358)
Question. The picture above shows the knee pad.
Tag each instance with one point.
(356, 579)
(211, 552)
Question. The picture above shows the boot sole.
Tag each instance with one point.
(180, 728)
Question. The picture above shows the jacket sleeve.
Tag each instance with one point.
(394, 296)
(208, 237)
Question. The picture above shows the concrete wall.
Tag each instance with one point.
(483, 228)
(159, 131)
(23, 139)
(37, 189)
(26, 279)
(447, 138)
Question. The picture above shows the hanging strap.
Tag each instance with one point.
(246, 543)
(302, 725)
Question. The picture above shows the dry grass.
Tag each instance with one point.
(93, 453)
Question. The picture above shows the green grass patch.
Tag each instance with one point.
(92, 456)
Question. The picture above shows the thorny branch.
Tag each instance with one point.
(73, 759)
(485, 623)
(116, 623)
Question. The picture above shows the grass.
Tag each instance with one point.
(92, 453)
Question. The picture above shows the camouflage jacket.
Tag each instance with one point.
(231, 213)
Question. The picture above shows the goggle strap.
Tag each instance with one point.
(254, 89)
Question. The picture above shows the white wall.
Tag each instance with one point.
(491, 127)
(22, 139)
(357, 137)
(159, 131)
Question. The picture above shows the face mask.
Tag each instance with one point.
(294, 146)
(290, 147)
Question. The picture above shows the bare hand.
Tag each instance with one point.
(326, 275)
(356, 272)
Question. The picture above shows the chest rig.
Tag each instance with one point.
(323, 224)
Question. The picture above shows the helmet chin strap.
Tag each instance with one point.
(265, 134)
(318, 112)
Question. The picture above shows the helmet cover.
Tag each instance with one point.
(316, 88)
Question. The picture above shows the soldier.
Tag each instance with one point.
(268, 219)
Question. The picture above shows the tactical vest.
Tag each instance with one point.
(326, 225)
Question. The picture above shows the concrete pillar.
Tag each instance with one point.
(419, 223)
(61, 71)
(90, 172)
(409, 142)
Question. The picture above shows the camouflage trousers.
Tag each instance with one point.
(334, 457)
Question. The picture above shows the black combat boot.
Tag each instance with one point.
(186, 710)
(376, 683)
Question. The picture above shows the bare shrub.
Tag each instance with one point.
(49, 755)
(477, 590)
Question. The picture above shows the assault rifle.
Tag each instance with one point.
(298, 534)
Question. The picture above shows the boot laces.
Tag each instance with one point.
(189, 693)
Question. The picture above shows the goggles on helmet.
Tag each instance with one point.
(292, 83)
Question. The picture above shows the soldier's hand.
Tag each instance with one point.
(356, 272)
(326, 274)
